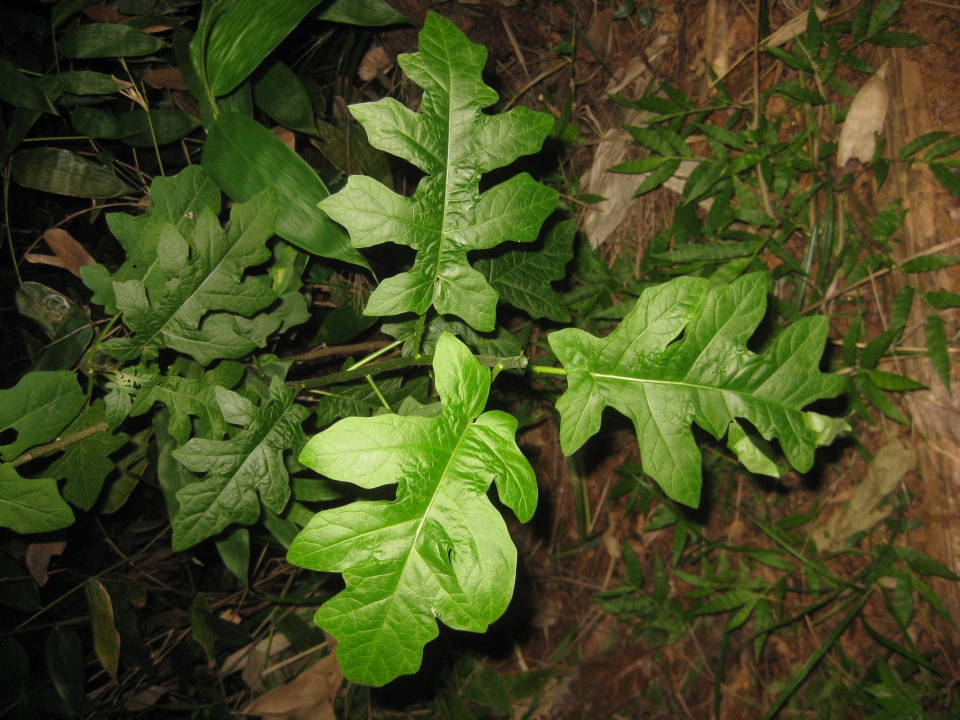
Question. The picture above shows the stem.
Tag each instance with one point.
(6, 222)
(376, 389)
(339, 350)
(417, 333)
(373, 356)
(546, 370)
(60, 444)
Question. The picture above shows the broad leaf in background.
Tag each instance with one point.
(29, 506)
(522, 277)
(65, 173)
(178, 200)
(237, 469)
(86, 464)
(339, 401)
(281, 95)
(286, 272)
(186, 317)
(38, 408)
(369, 13)
(454, 143)
(442, 551)
(64, 322)
(107, 40)
(234, 37)
(708, 377)
(22, 91)
(245, 158)
(188, 398)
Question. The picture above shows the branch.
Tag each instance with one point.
(515, 362)
(60, 444)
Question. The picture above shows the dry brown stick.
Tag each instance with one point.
(338, 350)
(60, 444)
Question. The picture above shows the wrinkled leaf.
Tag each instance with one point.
(522, 277)
(443, 551)
(237, 469)
(206, 308)
(454, 143)
(708, 377)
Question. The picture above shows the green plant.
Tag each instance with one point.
(192, 316)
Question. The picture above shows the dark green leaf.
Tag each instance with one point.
(790, 59)
(794, 90)
(64, 173)
(664, 386)
(882, 13)
(924, 565)
(892, 382)
(522, 278)
(281, 95)
(159, 127)
(918, 144)
(856, 63)
(946, 177)
(709, 253)
(937, 347)
(249, 463)
(96, 123)
(901, 307)
(651, 140)
(106, 40)
(877, 347)
(22, 91)
(234, 550)
(368, 13)
(64, 656)
(861, 21)
(83, 82)
(443, 550)
(658, 177)
(722, 135)
(942, 148)
(888, 38)
(454, 143)
(245, 158)
(880, 401)
(929, 263)
(942, 300)
(887, 221)
(641, 165)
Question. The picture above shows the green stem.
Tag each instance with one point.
(417, 334)
(374, 355)
(6, 222)
(376, 389)
(60, 444)
(546, 370)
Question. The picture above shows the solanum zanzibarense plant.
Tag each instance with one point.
(188, 316)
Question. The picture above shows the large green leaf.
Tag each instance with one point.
(708, 376)
(29, 506)
(38, 408)
(522, 277)
(249, 462)
(179, 200)
(206, 307)
(22, 91)
(441, 550)
(65, 173)
(281, 95)
(235, 37)
(107, 40)
(244, 158)
(454, 142)
(86, 464)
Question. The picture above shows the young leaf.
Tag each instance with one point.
(249, 462)
(178, 200)
(454, 143)
(86, 464)
(708, 377)
(29, 506)
(522, 278)
(186, 317)
(442, 550)
(37, 408)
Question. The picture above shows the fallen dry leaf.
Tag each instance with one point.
(598, 32)
(863, 512)
(69, 254)
(309, 696)
(38, 559)
(237, 660)
(289, 139)
(864, 120)
(167, 78)
(145, 699)
(103, 13)
(716, 32)
(373, 62)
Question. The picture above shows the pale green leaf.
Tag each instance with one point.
(708, 376)
(752, 457)
(86, 464)
(454, 143)
(179, 200)
(29, 506)
(237, 469)
(522, 277)
(38, 408)
(442, 550)
(207, 303)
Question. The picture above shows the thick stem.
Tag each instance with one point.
(60, 444)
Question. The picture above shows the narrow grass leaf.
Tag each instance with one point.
(937, 348)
